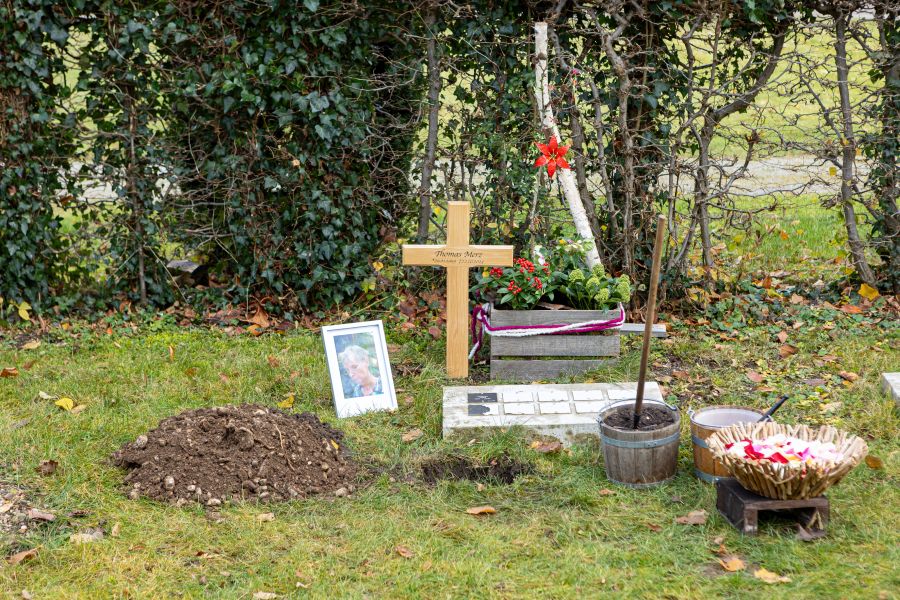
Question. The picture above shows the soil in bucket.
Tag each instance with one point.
(652, 418)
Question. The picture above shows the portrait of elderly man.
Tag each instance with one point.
(357, 378)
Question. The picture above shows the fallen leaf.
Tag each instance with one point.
(115, 530)
(404, 551)
(831, 406)
(809, 535)
(815, 382)
(481, 510)
(22, 556)
(546, 447)
(223, 377)
(38, 515)
(479, 487)
(86, 538)
(653, 527)
(435, 332)
(32, 345)
(47, 467)
(754, 377)
(829, 358)
(732, 564)
(851, 309)
(412, 435)
(681, 375)
(797, 299)
(873, 462)
(264, 596)
(695, 517)
(265, 517)
(27, 366)
(9, 372)
(260, 318)
(782, 336)
(171, 353)
(606, 492)
(426, 565)
(770, 577)
(288, 402)
(849, 376)
(190, 371)
(273, 362)
(65, 403)
(787, 350)
(868, 292)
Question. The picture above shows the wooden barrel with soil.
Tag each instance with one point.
(645, 456)
(704, 423)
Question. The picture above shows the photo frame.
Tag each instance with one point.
(360, 369)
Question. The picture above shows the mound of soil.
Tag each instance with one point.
(503, 469)
(652, 417)
(211, 455)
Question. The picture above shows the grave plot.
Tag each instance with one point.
(564, 411)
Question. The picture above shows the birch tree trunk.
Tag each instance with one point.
(548, 124)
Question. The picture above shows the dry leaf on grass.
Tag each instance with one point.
(264, 596)
(65, 403)
(654, 527)
(273, 362)
(868, 292)
(754, 377)
(782, 336)
(606, 492)
(873, 462)
(695, 517)
(288, 402)
(770, 577)
(265, 517)
(546, 447)
(39, 515)
(87, 537)
(787, 350)
(9, 372)
(32, 345)
(732, 564)
(412, 435)
(481, 510)
(404, 551)
(47, 467)
(849, 376)
(22, 556)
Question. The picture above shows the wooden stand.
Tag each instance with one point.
(742, 507)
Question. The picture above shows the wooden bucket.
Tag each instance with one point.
(704, 423)
(640, 459)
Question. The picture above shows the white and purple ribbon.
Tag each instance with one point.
(481, 323)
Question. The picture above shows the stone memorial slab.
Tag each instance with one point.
(564, 411)
(891, 384)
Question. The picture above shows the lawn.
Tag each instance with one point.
(554, 533)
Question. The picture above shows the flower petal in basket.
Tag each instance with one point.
(790, 480)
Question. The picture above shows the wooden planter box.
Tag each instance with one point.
(548, 356)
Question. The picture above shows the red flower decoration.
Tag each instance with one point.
(552, 156)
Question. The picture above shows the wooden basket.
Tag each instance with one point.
(791, 481)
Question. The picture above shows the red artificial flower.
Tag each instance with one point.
(496, 272)
(537, 283)
(552, 156)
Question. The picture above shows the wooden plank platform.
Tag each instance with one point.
(741, 507)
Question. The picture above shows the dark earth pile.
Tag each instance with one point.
(652, 417)
(211, 455)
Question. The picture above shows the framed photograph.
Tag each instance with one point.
(359, 367)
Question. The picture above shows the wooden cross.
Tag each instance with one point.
(458, 257)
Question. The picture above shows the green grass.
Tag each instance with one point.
(553, 535)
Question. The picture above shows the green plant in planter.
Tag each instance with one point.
(596, 290)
